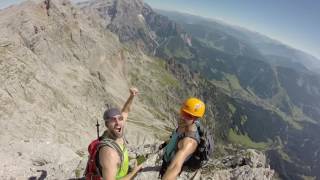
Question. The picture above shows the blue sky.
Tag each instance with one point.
(5, 3)
(293, 22)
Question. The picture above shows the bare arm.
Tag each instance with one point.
(127, 106)
(109, 160)
(189, 145)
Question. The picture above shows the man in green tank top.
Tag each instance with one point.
(113, 157)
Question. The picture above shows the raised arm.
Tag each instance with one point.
(189, 145)
(127, 106)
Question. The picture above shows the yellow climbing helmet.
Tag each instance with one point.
(194, 107)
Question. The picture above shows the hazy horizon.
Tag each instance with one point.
(291, 22)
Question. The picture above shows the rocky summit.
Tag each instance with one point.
(61, 63)
(58, 70)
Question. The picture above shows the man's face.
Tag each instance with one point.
(187, 119)
(115, 126)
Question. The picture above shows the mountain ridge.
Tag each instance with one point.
(251, 35)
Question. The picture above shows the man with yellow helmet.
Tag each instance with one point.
(184, 141)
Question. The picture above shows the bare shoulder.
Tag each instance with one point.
(186, 147)
(188, 144)
(187, 141)
(112, 156)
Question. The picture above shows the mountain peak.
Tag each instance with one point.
(135, 21)
(121, 17)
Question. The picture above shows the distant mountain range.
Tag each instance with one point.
(265, 45)
(276, 89)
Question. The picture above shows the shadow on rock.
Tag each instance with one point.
(151, 168)
(42, 176)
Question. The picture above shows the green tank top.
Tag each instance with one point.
(123, 169)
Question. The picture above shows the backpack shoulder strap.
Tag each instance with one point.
(207, 136)
(107, 142)
(193, 134)
(111, 143)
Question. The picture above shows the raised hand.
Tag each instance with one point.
(134, 91)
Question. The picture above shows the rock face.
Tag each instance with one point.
(133, 20)
(244, 165)
(123, 18)
(58, 69)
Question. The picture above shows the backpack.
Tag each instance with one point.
(204, 150)
(202, 154)
(93, 169)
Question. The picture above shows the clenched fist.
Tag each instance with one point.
(134, 91)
